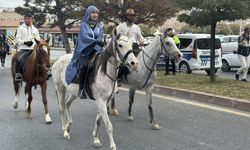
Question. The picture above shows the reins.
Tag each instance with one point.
(123, 60)
(38, 67)
(151, 70)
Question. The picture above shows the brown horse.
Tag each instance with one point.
(34, 73)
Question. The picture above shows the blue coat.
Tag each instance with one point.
(86, 37)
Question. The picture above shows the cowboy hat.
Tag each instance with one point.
(130, 12)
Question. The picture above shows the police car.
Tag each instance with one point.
(196, 53)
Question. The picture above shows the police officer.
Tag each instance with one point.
(170, 32)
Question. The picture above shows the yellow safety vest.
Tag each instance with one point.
(176, 39)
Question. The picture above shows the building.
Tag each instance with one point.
(9, 21)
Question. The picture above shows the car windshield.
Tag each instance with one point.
(205, 43)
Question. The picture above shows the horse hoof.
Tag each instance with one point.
(48, 120)
(115, 112)
(66, 135)
(113, 148)
(155, 127)
(29, 115)
(15, 105)
(97, 143)
(131, 118)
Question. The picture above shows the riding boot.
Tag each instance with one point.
(18, 76)
(82, 78)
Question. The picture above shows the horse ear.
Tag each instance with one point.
(114, 32)
(47, 41)
(118, 36)
(37, 42)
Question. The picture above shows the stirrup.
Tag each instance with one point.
(18, 77)
(82, 94)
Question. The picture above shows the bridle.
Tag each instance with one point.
(39, 65)
(123, 63)
(122, 58)
(152, 69)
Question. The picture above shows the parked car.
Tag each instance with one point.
(229, 43)
(196, 53)
(230, 61)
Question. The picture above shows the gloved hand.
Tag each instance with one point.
(28, 43)
(100, 43)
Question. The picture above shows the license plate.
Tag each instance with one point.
(205, 60)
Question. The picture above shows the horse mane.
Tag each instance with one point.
(104, 57)
(34, 52)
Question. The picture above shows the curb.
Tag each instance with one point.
(234, 103)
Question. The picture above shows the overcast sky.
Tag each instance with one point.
(11, 3)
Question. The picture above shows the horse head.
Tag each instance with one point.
(169, 47)
(123, 50)
(42, 50)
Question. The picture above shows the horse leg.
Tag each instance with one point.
(131, 101)
(43, 86)
(28, 94)
(114, 110)
(16, 88)
(69, 100)
(60, 94)
(97, 142)
(154, 125)
(101, 104)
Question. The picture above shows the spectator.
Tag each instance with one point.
(243, 54)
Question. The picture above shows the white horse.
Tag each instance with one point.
(144, 78)
(119, 51)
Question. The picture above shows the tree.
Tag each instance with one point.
(235, 28)
(209, 12)
(223, 28)
(66, 13)
(148, 12)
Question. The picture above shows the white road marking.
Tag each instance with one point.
(198, 104)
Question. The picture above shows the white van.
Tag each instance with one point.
(196, 53)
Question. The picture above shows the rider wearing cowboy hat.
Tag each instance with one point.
(131, 29)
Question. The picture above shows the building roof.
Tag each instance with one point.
(10, 19)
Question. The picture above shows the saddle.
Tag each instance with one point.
(22, 57)
(89, 77)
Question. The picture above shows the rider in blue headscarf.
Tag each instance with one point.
(89, 42)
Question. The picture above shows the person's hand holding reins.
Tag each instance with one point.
(28, 43)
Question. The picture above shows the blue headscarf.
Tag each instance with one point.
(86, 43)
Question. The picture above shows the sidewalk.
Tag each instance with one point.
(203, 97)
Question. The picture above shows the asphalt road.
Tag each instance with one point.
(184, 125)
